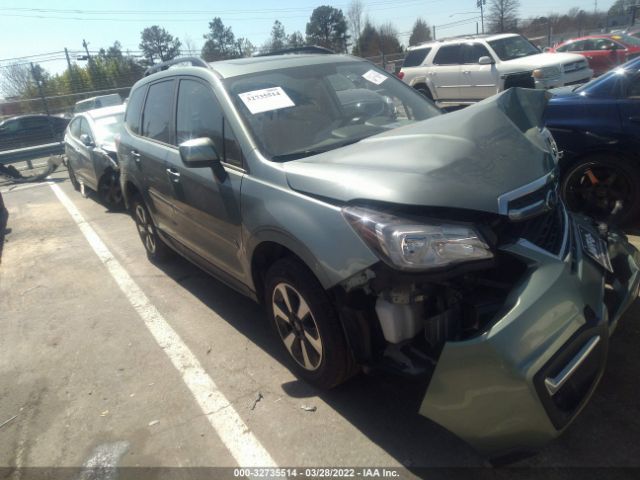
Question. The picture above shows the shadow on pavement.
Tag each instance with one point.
(384, 407)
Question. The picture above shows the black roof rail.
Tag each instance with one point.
(193, 61)
(294, 50)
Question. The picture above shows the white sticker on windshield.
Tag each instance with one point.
(374, 77)
(265, 100)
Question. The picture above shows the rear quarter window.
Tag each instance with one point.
(134, 110)
(415, 57)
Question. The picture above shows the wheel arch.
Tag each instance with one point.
(129, 191)
(267, 246)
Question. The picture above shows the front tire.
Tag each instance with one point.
(604, 187)
(307, 324)
(72, 177)
(157, 250)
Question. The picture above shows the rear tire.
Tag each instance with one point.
(157, 250)
(595, 183)
(307, 324)
(424, 90)
(109, 190)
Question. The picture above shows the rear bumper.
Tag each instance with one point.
(522, 382)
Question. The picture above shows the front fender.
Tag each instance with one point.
(314, 230)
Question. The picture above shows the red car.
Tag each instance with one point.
(603, 51)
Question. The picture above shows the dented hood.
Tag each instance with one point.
(464, 159)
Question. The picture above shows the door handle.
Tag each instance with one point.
(173, 174)
(635, 119)
(135, 155)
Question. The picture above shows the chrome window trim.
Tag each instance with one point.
(505, 198)
(565, 240)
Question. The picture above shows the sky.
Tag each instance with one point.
(31, 27)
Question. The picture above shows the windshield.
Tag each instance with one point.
(107, 127)
(628, 39)
(513, 47)
(301, 111)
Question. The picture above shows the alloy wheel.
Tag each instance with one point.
(145, 229)
(297, 326)
(598, 190)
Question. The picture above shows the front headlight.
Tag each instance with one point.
(546, 72)
(408, 245)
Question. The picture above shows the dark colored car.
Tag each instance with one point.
(378, 232)
(597, 127)
(91, 152)
(603, 52)
(31, 130)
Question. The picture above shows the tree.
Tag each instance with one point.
(278, 36)
(621, 7)
(16, 79)
(114, 51)
(388, 38)
(244, 47)
(220, 42)
(420, 32)
(190, 46)
(327, 27)
(354, 14)
(159, 44)
(369, 42)
(503, 15)
(296, 40)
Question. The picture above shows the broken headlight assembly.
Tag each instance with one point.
(409, 245)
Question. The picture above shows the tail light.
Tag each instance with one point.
(400, 74)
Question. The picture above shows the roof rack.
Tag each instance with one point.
(193, 61)
(297, 50)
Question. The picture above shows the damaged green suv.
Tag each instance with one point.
(378, 232)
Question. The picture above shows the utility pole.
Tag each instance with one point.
(66, 54)
(38, 80)
(480, 4)
(434, 32)
(86, 49)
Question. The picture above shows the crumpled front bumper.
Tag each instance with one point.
(521, 383)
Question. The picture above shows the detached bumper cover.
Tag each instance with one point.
(519, 384)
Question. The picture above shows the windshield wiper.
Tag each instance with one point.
(309, 152)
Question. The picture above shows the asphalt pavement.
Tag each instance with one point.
(105, 357)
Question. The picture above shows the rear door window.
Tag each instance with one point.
(157, 113)
(415, 57)
(449, 55)
(473, 52)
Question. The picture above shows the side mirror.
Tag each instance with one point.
(86, 140)
(199, 153)
(486, 60)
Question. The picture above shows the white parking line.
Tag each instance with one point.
(234, 433)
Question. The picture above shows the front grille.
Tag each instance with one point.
(574, 66)
(545, 231)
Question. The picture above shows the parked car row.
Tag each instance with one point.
(377, 231)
